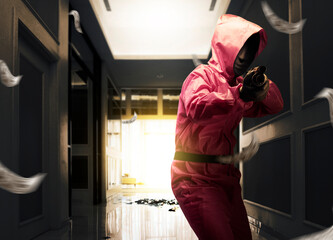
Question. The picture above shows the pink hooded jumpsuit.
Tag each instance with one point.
(209, 110)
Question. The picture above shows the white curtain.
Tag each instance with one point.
(113, 152)
(147, 151)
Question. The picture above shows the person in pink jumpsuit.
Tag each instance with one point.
(212, 102)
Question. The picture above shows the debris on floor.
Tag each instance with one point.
(173, 209)
(156, 202)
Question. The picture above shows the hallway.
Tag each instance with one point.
(103, 85)
(123, 219)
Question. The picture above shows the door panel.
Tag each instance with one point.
(82, 135)
(80, 176)
(318, 154)
(271, 162)
(31, 135)
(33, 124)
(80, 115)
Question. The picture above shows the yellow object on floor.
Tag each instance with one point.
(128, 180)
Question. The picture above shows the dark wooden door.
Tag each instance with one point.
(287, 186)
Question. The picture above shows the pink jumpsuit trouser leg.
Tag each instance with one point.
(209, 195)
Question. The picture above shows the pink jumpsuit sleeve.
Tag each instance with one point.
(273, 103)
(205, 103)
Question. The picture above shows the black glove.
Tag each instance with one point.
(255, 85)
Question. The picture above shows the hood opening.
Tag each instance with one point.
(246, 55)
(229, 37)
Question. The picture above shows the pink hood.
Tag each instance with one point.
(230, 34)
(210, 107)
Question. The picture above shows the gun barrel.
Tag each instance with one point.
(259, 79)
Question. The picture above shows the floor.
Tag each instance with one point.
(123, 219)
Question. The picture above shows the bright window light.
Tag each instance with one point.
(148, 147)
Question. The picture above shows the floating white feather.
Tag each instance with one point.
(7, 77)
(328, 94)
(196, 60)
(130, 120)
(77, 24)
(278, 23)
(14, 183)
(245, 155)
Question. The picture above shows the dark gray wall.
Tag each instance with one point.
(287, 185)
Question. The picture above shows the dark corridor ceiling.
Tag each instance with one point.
(151, 73)
(138, 73)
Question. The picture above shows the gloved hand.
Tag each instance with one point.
(255, 85)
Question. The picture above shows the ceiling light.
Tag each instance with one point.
(163, 29)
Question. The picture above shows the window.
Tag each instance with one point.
(144, 101)
(170, 101)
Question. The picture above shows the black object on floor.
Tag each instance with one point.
(156, 202)
(173, 209)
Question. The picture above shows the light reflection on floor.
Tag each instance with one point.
(119, 220)
(134, 221)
